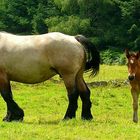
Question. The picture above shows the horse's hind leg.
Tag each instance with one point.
(14, 112)
(69, 81)
(85, 97)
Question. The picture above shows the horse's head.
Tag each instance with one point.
(133, 60)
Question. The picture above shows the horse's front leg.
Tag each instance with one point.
(14, 112)
(135, 96)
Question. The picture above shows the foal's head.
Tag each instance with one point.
(133, 64)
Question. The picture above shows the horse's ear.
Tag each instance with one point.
(127, 53)
(138, 54)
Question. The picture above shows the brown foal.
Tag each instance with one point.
(134, 79)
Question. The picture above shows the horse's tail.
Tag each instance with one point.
(93, 56)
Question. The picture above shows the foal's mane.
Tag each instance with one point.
(132, 54)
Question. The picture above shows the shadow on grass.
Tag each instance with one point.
(43, 122)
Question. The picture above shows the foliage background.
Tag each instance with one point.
(112, 25)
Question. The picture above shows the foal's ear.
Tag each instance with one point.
(127, 53)
(138, 54)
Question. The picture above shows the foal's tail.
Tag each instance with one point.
(93, 56)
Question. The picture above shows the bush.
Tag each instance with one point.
(68, 24)
(110, 57)
(137, 43)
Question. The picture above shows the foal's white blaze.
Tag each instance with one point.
(132, 61)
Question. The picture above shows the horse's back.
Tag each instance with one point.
(65, 50)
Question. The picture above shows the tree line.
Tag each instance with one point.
(110, 24)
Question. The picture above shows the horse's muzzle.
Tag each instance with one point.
(131, 77)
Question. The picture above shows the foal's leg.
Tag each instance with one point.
(14, 112)
(69, 81)
(85, 97)
(135, 96)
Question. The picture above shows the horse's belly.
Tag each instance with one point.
(31, 80)
(31, 76)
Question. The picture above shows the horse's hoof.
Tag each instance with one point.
(89, 117)
(19, 120)
(5, 119)
(16, 116)
(135, 121)
(68, 118)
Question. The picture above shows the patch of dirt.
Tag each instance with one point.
(114, 83)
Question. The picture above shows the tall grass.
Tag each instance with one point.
(45, 105)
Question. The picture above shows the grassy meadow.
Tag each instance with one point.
(45, 104)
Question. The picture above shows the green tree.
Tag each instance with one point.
(131, 21)
(68, 24)
(25, 16)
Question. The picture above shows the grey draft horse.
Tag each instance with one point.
(36, 58)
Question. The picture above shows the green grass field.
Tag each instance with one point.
(45, 104)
